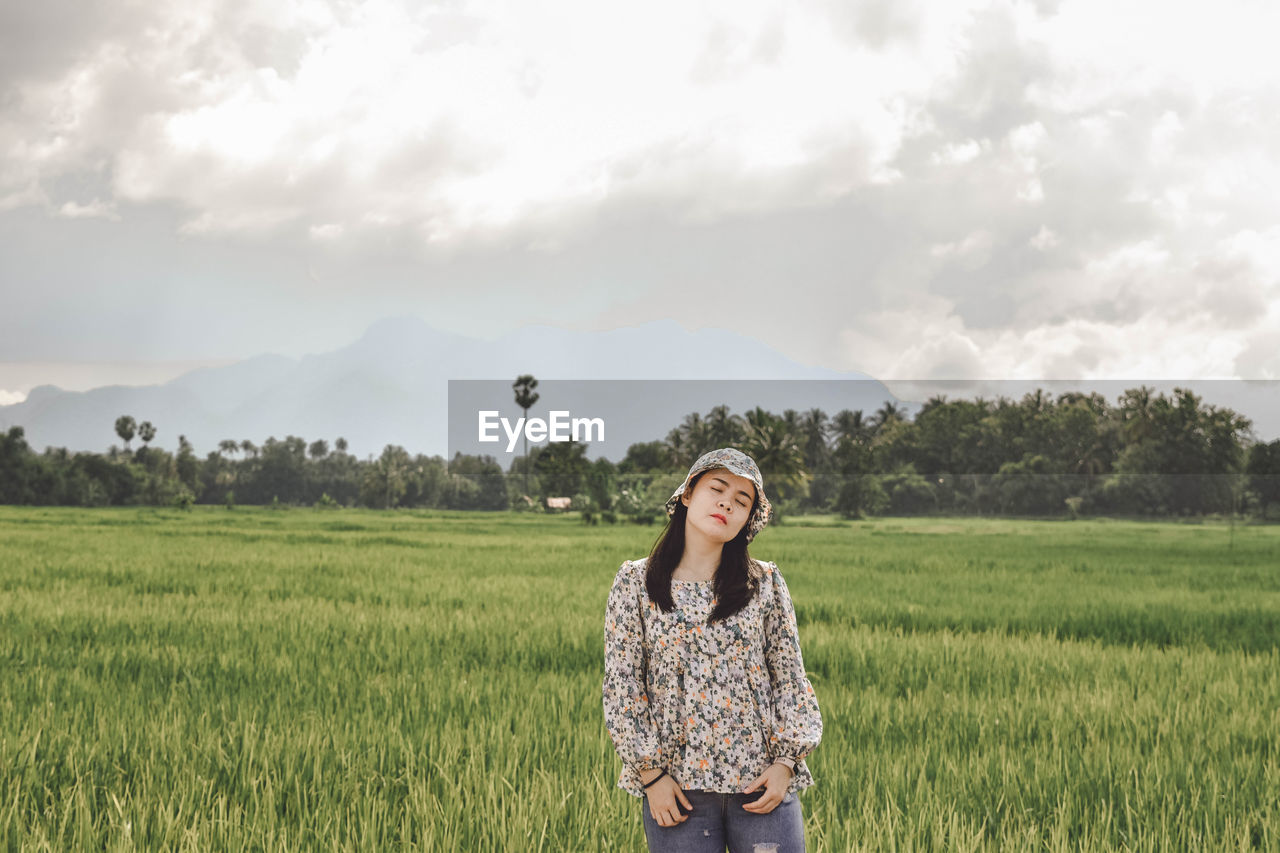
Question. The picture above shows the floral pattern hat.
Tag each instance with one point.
(740, 464)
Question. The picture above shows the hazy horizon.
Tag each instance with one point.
(978, 189)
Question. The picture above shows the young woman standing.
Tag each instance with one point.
(705, 692)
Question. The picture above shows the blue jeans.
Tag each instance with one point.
(719, 819)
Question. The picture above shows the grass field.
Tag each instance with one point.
(356, 680)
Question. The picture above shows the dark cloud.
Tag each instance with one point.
(42, 40)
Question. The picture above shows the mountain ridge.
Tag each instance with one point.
(388, 386)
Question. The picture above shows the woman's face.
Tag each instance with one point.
(720, 503)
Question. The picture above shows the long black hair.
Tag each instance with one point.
(735, 585)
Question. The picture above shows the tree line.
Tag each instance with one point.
(1074, 454)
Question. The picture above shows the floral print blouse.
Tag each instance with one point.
(713, 704)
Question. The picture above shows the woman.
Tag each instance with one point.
(705, 692)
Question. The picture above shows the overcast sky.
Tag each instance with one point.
(1001, 190)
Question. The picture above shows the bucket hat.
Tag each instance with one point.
(742, 465)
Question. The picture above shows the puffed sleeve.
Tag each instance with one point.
(626, 704)
(797, 723)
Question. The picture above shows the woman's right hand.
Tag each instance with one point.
(664, 798)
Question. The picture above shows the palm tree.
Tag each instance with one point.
(689, 440)
(723, 429)
(525, 398)
(759, 420)
(391, 467)
(1090, 461)
(675, 449)
(851, 426)
(1137, 413)
(889, 413)
(791, 420)
(813, 435)
(146, 432)
(249, 448)
(226, 476)
(776, 450)
(126, 427)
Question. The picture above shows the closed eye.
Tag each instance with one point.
(718, 490)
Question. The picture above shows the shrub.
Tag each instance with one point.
(636, 505)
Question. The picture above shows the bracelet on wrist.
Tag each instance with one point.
(655, 779)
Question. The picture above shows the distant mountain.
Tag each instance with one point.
(391, 386)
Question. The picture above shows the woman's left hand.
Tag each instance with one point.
(775, 779)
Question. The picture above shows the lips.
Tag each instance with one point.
(723, 520)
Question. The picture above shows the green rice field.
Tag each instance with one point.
(357, 680)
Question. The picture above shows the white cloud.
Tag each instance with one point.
(915, 337)
(1141, 260)
(978, 186)
(376, 112)
(1045, 238)
(942, 347)
(959, 153)
(96, 209)
(972, 252)
(1113, 48)
(327, 231)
